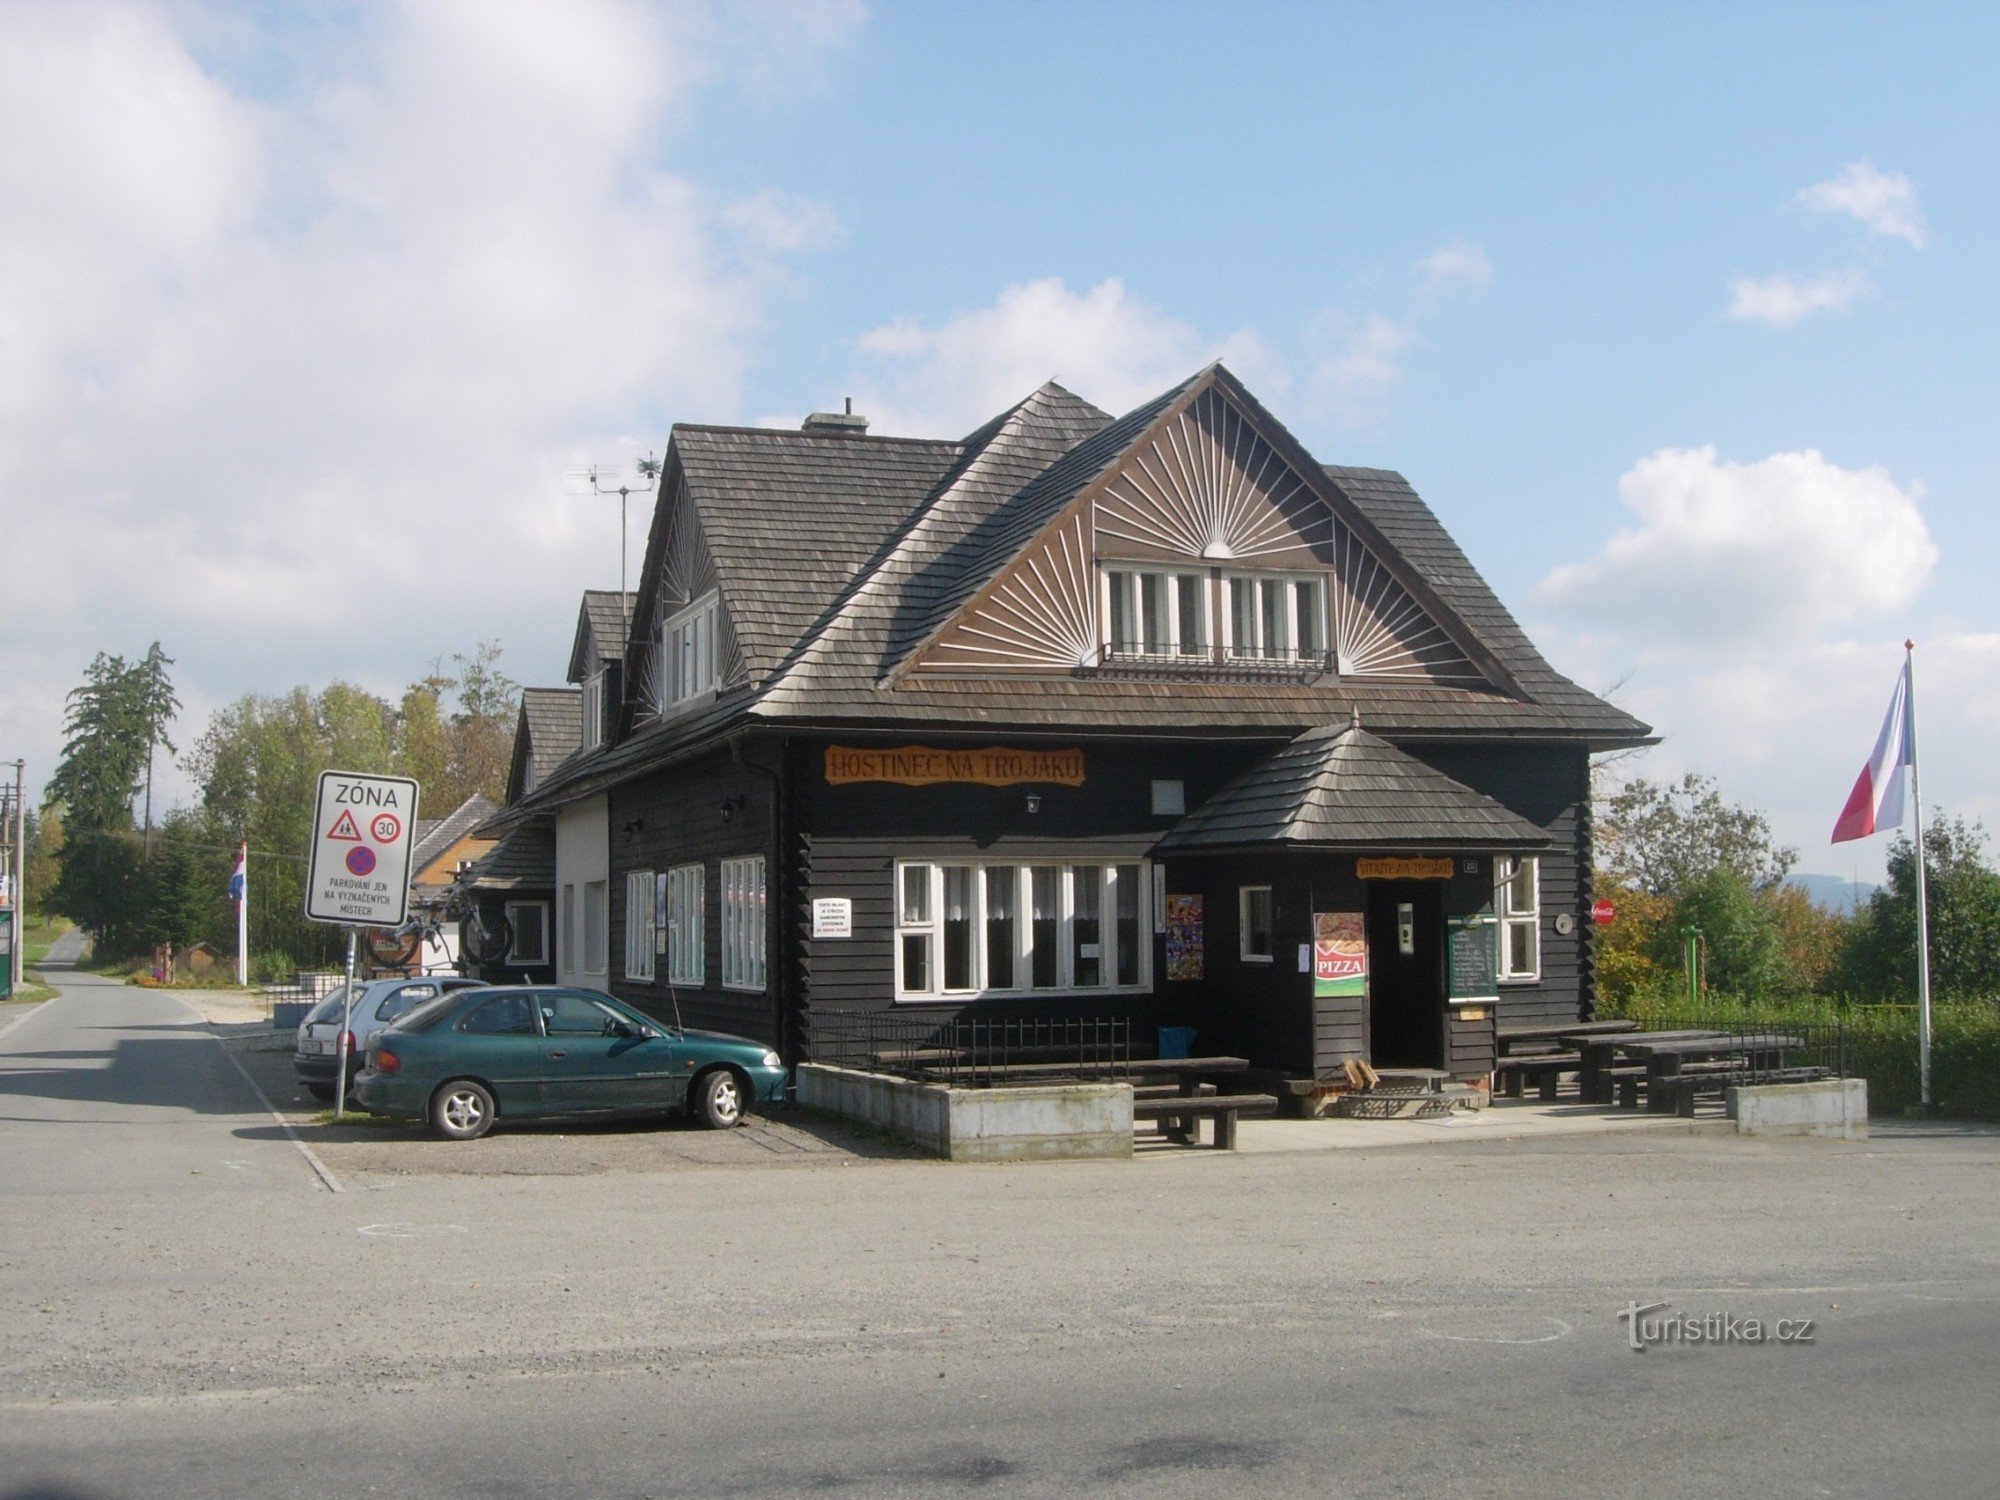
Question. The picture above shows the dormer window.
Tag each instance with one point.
(688, 654)
(1275, 617)
(593, 710)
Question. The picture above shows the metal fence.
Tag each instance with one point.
(973, 1052)
(1784, 1051)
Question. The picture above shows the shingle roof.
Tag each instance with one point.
(791, 518)
(601, 619)
(553, 719)
(449, 829)
(1347, 788)
(839, 555)
(524, 859)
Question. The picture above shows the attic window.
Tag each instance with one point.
(688, 654)
(593, 710)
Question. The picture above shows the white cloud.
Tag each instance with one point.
(297, 373)
(1783, 300)
(1884, 201)
(1105, 344)
(1727, 551)
(1450, 269)
(1357, 360)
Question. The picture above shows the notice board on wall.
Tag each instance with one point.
(1472, 964)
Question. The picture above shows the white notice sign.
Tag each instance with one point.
(359, 873)
(833, 917)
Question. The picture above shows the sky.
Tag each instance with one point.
(1683, 318)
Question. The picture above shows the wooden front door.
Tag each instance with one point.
(1406, 973)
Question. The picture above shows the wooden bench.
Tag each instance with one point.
(1689, 1084)
(1546, 1068)
(1177, 1116)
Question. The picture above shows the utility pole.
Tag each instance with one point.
(18, 886)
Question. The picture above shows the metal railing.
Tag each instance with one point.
(1792, 1049)
(972, 1053)
(1127, 659)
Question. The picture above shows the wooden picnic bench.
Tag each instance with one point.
(1599, 1072)
(1178, 1115)
(1543, 1051)
(1678, 1070)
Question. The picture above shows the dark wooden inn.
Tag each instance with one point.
(1149, 716)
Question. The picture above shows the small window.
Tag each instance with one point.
(593, 710)
(689, 654)
(596, 916)
(1169, 799)
(1518, 897)
(686, 923)
(530, 921)
(503, 1015)
(1253, 907)
(743, 923)
(639, 925)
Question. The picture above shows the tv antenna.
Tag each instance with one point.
(598, 476)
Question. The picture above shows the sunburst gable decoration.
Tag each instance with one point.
(1379, 631)
(687, 572)
(1040, 614)
(1209, 485)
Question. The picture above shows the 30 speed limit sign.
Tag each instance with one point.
(360, 853)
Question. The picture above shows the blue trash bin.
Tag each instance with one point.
(1176, 1041)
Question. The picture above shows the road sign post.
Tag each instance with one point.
(359, 872)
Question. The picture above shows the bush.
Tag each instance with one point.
(1881, 1042)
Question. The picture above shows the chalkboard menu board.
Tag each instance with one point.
(1471, 964)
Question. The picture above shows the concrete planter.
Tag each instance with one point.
(1836, 1107)
(1043, 1122)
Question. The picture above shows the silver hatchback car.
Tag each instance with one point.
(377, 1002)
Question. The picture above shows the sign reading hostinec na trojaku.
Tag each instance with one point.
(359, 859)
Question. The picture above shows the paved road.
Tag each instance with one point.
(185, 1310)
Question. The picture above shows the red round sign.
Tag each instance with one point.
(1602, 912)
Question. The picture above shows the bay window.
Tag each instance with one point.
(960, 928)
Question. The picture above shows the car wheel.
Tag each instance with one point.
(719, 1099)
(462, 1110)
(321, 1091)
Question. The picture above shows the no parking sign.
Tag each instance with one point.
(360, 854)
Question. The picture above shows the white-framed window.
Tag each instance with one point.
(566, 929)
(596, 925)
(687, 921)
(1517, 898)
(639, 925)
(688, 651)
(593, 710)
(1254, 944)
(1274, 616)
(1151, 612)
(743, 923)
(530, 921)
(1014, 928)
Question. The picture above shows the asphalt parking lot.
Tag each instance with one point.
(365, 1149)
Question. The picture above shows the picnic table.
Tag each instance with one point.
(1669, 1079)
(1509, 1036)
(1597, 1053)
(1536, 1051)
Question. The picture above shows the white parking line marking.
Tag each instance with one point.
(409, 1231)
(1562, 1331)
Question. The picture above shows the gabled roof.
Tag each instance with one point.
(841, 557)
(1348, 789)
(600, 621)
(448, 830)
(548, 731)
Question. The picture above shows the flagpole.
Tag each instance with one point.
(1923, 905)
(243, 920)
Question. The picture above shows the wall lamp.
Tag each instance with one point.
(1034, 802)
(731, 806)
(632, 829)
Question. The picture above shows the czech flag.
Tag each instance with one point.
(1876, 802)
(239, 878)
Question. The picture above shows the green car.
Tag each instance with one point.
(464, 1060)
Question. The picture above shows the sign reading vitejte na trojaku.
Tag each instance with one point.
(924, 765)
